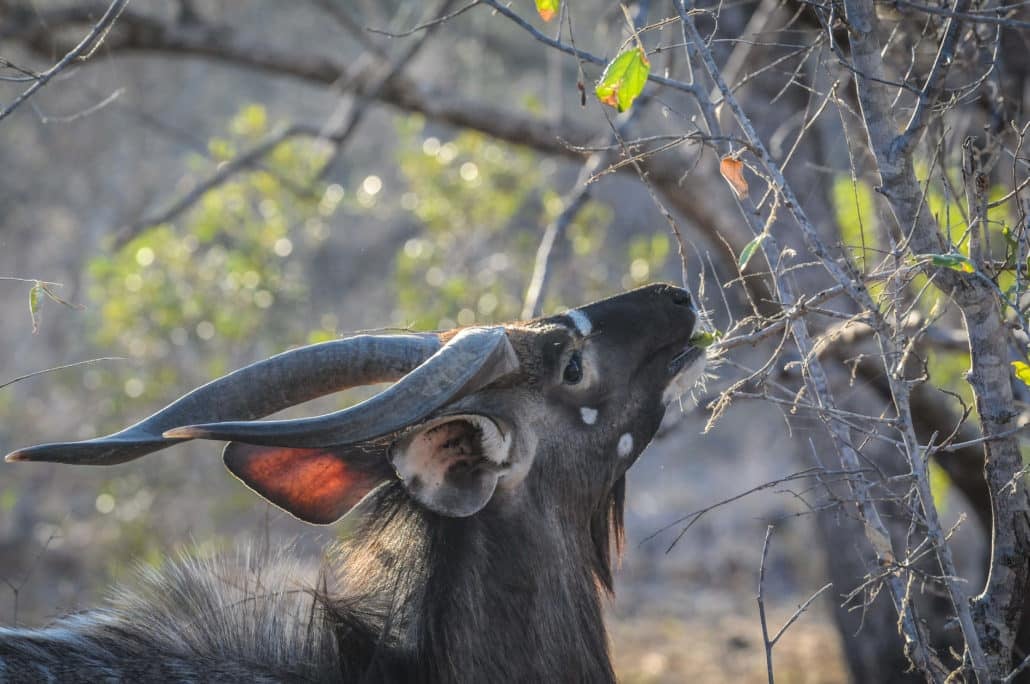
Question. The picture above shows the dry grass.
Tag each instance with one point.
(728, 649)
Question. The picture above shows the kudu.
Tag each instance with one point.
(491, 480)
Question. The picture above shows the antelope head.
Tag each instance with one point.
(554, 408)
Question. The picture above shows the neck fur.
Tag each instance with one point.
(502, 594)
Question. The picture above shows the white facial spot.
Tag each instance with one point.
(589, 415)
(581, 321)
(625, 445)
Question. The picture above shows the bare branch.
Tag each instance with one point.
(576, 52)
(87, 362)
(555, 231)
(83, 51)
(426, 24)
(138, 32)
(224, 172)
(973, 17)
(766, 641)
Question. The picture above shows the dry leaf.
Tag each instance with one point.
(881, 544)
(732, 170)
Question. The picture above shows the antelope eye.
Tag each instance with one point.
(573, 372)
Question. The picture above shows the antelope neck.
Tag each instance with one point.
(504, 596)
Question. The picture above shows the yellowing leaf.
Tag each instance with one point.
(957, 262)
(749, 250)
(547, 9)
(732, 169)
(34, 305)
(623, 79)
(1022, 371)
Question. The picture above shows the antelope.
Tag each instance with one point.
(487, 484)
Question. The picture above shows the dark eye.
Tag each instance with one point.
(573, 372)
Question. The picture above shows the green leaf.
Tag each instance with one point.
(1022, 369)
(957, 262)
(34, 305)
(705, 339)
(749, 250)
(623, 79)
(547, 9)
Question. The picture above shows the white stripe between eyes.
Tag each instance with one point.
(580, 320)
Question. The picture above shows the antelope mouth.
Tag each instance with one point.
(685, 369)
(685, 358)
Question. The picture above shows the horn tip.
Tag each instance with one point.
(185, 432)
(16, 456)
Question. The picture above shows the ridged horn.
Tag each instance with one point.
(472, 359)
(255, 391)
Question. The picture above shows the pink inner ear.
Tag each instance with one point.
(315, 485)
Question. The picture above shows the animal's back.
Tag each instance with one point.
(242, 618)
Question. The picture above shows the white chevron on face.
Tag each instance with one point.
(581, 321)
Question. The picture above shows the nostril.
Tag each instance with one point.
(680, 297)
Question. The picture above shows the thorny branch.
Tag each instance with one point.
(816, 378)
(998, 609)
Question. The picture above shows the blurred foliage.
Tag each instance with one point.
(193, 298)
(854, 204)
(949, 211)
(128, 500)
(647, 255)
(481, 207)
(8, 497)
(187, 301)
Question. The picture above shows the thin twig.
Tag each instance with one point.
(426, 24)
(1006, 22)
(576, 52)
(87, 362)
(572, 204)
(766, 641)
(83, 50)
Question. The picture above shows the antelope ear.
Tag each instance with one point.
(316, 485)
(451, 464)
